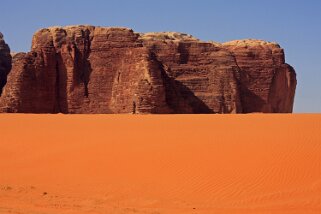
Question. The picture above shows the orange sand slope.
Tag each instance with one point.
(160, 164)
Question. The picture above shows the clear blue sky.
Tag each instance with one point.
(294, 24)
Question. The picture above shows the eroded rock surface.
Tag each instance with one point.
(267, 83)
(5, 62)
(87, 69)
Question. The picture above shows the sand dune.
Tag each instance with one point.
(160, 164)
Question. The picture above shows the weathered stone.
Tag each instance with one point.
(200, 77)
(267, 83)
(87, 69)
(5, 62)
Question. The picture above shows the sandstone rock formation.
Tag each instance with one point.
(267, 83)
(5, 62)
(87, 69)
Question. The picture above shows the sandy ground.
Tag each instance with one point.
(76, 164)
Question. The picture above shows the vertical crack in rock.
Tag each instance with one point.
(223, 108)
(88, 67)
(184, 54)
(134, 107)
(57, 88)
(61, 103)
(58, 36)
(118, 77)
(83, 65)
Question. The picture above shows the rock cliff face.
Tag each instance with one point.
(267, 83)
(87, 69)
(5, 62)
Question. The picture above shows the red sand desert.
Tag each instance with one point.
(75, 164)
